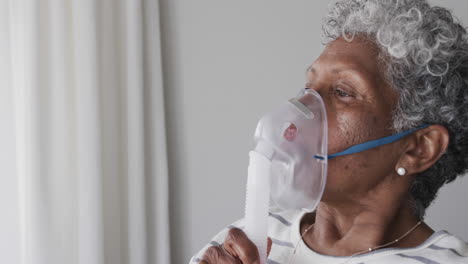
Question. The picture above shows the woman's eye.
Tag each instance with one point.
(342, 93)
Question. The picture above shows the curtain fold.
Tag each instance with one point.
(84, 81)
(90, 140)
(156, 187)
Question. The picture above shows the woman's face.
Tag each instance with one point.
(359, 106)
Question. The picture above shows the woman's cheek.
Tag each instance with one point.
(343, 132)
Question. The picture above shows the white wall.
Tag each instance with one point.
(226, 63)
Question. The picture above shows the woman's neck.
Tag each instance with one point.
(346, 230)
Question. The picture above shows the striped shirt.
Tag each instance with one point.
(284, 231)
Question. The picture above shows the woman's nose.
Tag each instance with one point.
(310, 99)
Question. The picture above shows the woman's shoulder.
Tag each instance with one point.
(441, 247)
(451, 244)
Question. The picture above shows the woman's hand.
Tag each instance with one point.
(236, 249)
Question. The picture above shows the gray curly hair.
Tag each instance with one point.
(424, 54)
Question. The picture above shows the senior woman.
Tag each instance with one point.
(388, 66)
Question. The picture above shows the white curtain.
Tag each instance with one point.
(85, 79)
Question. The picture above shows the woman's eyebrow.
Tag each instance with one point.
(339, 67)
(355, 73)
(360, 71)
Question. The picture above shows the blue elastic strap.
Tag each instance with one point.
(372, 144)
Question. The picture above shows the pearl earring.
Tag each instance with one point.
(401, 171)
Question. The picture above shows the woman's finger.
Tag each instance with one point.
(240, 246)
(218, 255)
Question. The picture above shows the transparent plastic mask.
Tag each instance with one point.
(292, 137)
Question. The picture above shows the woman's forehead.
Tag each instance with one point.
(359, 55)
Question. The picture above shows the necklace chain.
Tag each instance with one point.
(361, 252)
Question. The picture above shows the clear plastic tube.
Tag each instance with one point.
(257, 202)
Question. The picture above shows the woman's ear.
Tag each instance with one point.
(426, 146)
